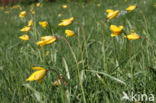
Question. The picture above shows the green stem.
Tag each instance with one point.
(74, 56)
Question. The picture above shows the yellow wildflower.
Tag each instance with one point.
(111, 13)
(64, 6)
(25, 29)
(154, 5)
(133, 36)
(24, 37)
(46, 40)
(38, 4)
(66, 22)
(131, 8)
(116, 30)
(69, 33)
(47, 52)
(99, 5)
(59, 15)
(43, 24)
(30, 23)
(38, 75)
(22, 14)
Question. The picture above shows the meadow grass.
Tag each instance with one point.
(106, 67)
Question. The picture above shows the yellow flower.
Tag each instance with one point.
(25, 29)
(24, 37)
(99, 5)
(154, 5)
(116, 30)
(64, 6)
(43, 24)
(125, 0)
(38, 4)
(22, 14)
(59, 15)
(32, 11)
(69, 33)
(111, 13)
(131, 8)
(30, 23)
(38, 75)
(46, 40)
(47, 52)
(133, 36)
(66, 22)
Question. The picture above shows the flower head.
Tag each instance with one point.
(69, 33)
(116, 30)
(111, 13)
(98, 5)
(43, 24)
(59, 15)
(30, 23)
(131, 8)
(25, 29)
(133, 36)
(24, 37)
(38, 4)
(38, 75)
(64, 6)
(22, 14)
(66, 22)
(45, 40)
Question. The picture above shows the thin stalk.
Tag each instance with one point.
(74, 56)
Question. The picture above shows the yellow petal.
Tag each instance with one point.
(22, 14)
(131, 8)
(133, 36)
(64, 6)
(26, 29)
(109, 11)
(37, 68)
(116, 29)
(46, 40)
(24, 37)
(43, 24)
(69, 33)
(30, 23)
(38, 75)
(112, 14)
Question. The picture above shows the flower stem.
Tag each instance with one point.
(74, 56)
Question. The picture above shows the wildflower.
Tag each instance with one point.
(59, 15)
(46, 40)
(38, 4)
(7, 12)
(131, 8)
(154, 5)
(99, 5)
(43, 24)
(66, 22)
(47, 52)
(111, 13)
(64, 6)
(32, 11)
(132, 36)
(24, 37)
(116, 30)
(69, 33)
(30, 23)
(22, 14)
(38, 75)
(25, 29)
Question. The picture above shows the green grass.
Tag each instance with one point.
(106, 66)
